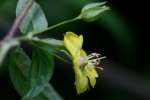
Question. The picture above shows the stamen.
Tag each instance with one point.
(100, 68)
(94, 55)
(94, 59)
(102, 57)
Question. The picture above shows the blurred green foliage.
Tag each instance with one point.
(116, 39)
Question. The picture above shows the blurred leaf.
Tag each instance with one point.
(41, 71)
(5, 47)
(35, 20)
(48, 93)
(50, 41)
(19, 65)
(49, 44)
(53, 42)
(52, 45)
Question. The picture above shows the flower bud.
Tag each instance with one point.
(91, 11)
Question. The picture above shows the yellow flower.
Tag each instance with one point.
(84, 65)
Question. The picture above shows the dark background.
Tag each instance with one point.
(121, 34)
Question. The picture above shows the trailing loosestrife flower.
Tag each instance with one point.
(84, 65)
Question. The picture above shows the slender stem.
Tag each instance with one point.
(57, 25)
(61, 58)
(6, 45)
(18, 21)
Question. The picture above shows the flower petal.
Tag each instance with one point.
(73, 42)
(91, 73)
(83, 53)
(81, 81)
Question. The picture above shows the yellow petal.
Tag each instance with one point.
(73, 42)
(81, 81)
(83, 53)
(91, 73)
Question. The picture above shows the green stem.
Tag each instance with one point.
(18, 20)
(29, 36)
(57, 25)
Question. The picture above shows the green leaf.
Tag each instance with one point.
(53, 42)
(5, 47)
(35, 20)
(41, 71)
(19, 69)
(49, 44)
(56, 47)
(19, 65)
(48, 93)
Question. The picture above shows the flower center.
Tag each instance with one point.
(82, 61)
(93, 59)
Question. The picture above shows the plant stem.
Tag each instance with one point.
(7, 43)
(57, 25)
(18, 21)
